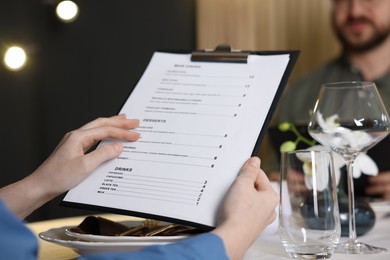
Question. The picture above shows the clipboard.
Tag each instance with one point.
(221, 53)
(193, 164)
(225, 53)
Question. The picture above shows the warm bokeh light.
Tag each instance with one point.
(15, 58)
(67, 11)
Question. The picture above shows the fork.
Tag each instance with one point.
(147, 223)
(181, 228)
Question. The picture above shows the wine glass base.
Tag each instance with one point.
(357, 247)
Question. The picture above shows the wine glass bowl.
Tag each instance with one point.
(347, 139)
(350, 118)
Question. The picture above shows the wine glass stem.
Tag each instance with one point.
(351, 202)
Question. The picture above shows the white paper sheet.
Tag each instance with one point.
(199, 124)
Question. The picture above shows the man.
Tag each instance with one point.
(363, 29)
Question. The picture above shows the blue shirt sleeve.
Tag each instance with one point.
(16, 240)
(205, 246)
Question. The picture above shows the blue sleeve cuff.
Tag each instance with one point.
(13, 229)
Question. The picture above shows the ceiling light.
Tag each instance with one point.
(15, 58)
(67, 11)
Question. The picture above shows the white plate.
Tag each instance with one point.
(58, 236)
(99, 238)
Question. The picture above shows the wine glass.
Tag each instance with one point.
(350, 118)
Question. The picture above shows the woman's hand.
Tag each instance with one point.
(69, 163)
(248, 208)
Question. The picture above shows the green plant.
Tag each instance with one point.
(292, 145)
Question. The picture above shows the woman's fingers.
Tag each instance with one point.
(117, 121)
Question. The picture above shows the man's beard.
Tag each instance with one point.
(377, 38)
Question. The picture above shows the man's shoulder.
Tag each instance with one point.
(318, 75)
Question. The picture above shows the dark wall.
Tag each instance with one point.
(76, 72)
(19, 128)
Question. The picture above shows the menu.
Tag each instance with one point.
(199, 122)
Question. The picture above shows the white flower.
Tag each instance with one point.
(341, 136)
(329, 123)
(308, 168)
(338, 136)
(363, 164)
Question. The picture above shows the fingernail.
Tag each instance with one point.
(254, 161)
(136, 121)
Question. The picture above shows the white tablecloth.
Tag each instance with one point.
(268, 246)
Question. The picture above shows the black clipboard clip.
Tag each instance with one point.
(222, 53)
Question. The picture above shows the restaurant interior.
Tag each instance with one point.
(73, 69)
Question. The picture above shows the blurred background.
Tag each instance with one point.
(68, 70)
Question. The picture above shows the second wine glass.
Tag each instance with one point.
(350, 118)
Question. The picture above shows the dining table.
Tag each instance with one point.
(266, 246)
